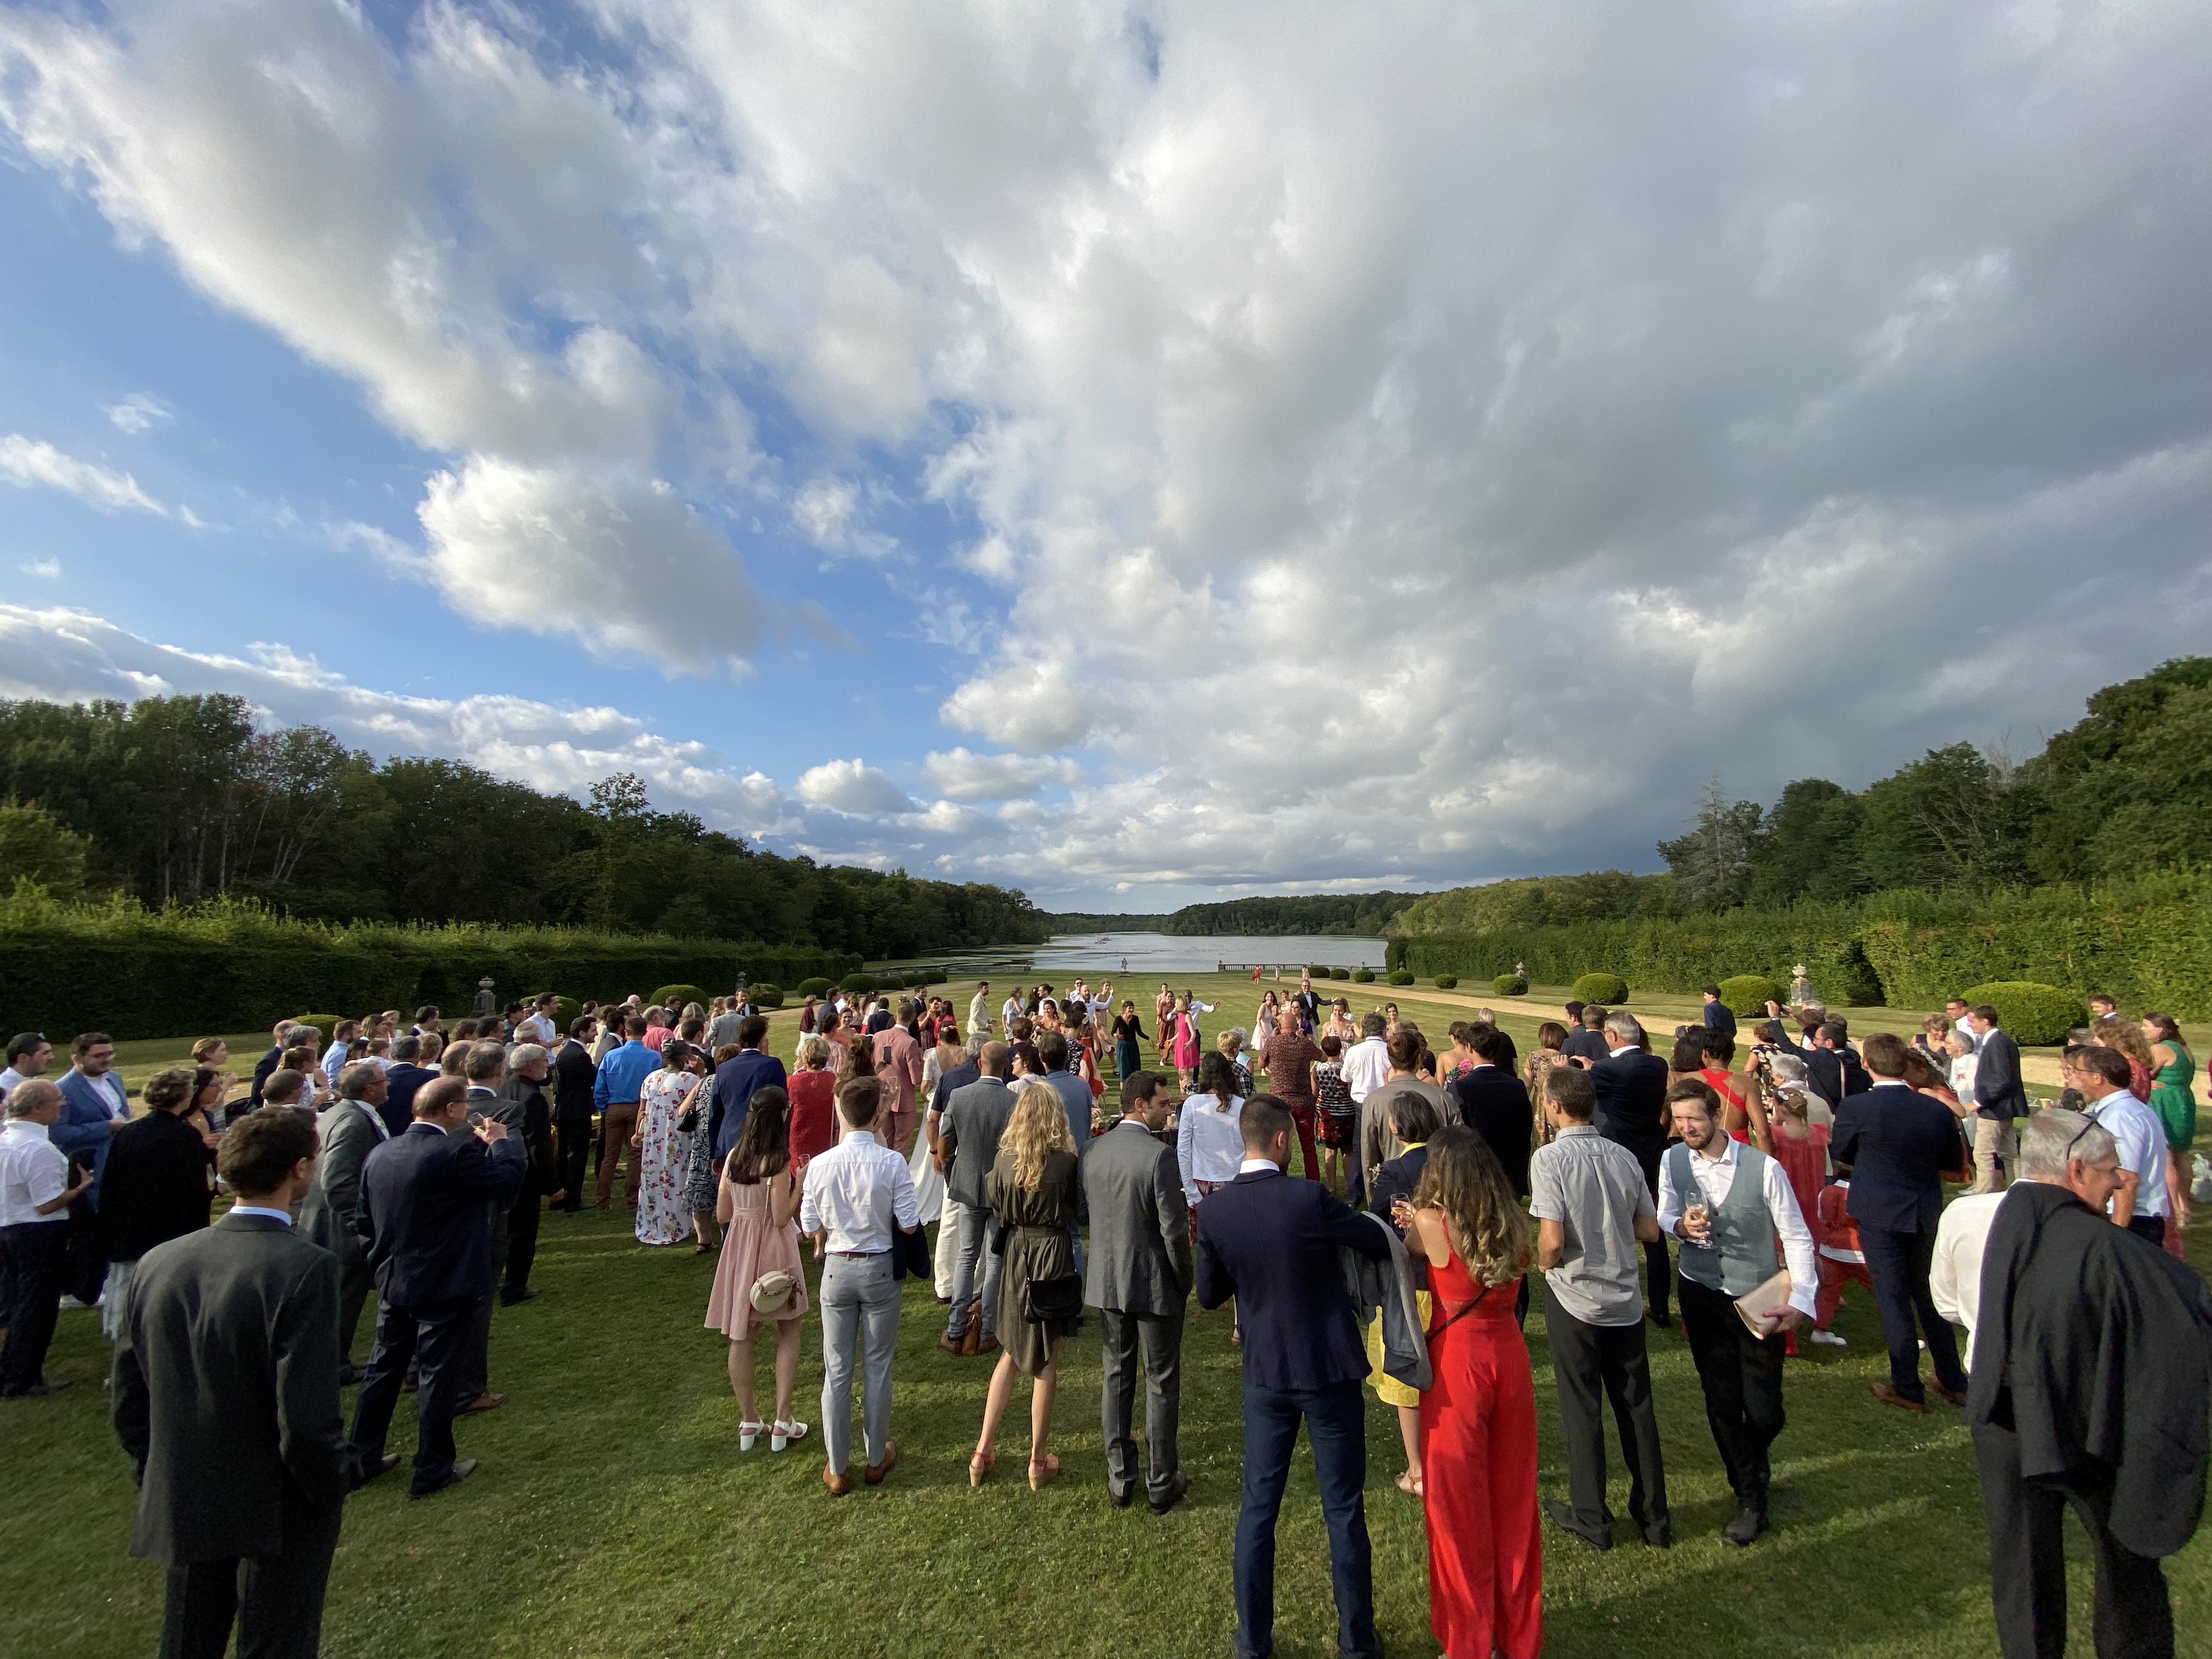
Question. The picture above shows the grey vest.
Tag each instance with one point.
(1742, 1257)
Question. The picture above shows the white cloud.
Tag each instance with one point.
(962, 774)
(44, 570)
(824, 511)
(32, 463)
(138, 412)
(851, 786)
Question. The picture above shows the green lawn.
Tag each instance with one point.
(613, 1515)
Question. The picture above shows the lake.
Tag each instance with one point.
(1142, 955)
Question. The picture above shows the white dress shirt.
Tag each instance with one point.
(2141, 1142)
(33, 1171)
(537, 1029)
(855, 1191)
(284, 1216)
(1366, 1067)
(1955, 1272)
(1209, 1142)
(1716, 1178)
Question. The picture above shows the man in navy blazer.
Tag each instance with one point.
(737, 1080)
(401, 1079)
(1272, 1243)
(425, 1214)
(1631, 1112)
(1899, 1143)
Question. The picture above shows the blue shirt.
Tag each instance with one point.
(622, 1074)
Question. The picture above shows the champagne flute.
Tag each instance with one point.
(1697, 1221)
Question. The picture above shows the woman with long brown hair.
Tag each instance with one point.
(1032, 1190)
(1478, 1417)
(757, 1204)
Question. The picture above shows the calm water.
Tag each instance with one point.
(1143, 955)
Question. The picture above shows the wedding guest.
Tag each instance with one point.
(348, 1131)
(2101, 1076)
(156, 1188)
(616, 1091)
(2000, 1099)
(575, 1072)
(757, 1203)
(1209, 1145)
(664, 1211)
(1413, 1125)
(35, 1195)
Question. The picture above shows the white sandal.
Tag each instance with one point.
(782, 1434)
(749, 1433)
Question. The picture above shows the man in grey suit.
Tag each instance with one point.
(350, 1128)
(1139, 1278)
(968, 1140)
(226, 1397)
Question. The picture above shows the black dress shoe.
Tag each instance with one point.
(38, 1390)
(1563, 1516)
(1181, 1488)
(1121, 1500)
(384, 1465)
(1660, 1537)
(528, 1293)
(350, 1376)
(1748, 1524)
(460, 1472)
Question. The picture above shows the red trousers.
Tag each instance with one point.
(1834, 1275)
(1302, 1113)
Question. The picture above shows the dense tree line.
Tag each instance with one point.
(1341, 915)
(179, 799)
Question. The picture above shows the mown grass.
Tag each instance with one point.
(613, 1515)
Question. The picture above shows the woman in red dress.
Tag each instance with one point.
(1479, 1418)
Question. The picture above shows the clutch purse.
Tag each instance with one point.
(1051, 1301)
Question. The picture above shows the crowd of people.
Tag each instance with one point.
(1379, 1216)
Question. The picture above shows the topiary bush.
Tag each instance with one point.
(1446, 982)
(765, 995)
(1507, 985)
(2035, 1016)
(1401, 977)
(1747, 995)
(1314, 970)
(326, 1024)
(1363, 976)
(817, 987)
(1610, 989)
(1342, 973)
(859, 984)
(673, 997)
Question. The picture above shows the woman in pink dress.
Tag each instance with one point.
(1186, 1040)
(757, 1205)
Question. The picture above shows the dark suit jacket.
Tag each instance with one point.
(426, 1204)
(1590, 1045)
(330, 1215)
(1998, 1091)
(1495, 1103)
(575, 1072)
(528, 1116)
(1140, 1257)
(225, 1390)
(1719, 1016)
(156, 1186)
(974, 1118)
(401, 1082)
(735, 1081)
(1835, 1073)
(1898, 1142)
(1631, 1103)
(262, 1069)
(959, 1077)
(1271, 1242)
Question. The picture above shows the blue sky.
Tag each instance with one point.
(1135, 454)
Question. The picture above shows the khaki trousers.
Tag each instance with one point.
(1996, 1152)
(616, 1124)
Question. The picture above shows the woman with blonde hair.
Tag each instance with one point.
(1478, 1417)
(1032, 1193)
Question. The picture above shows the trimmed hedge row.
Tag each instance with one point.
(159, 988)
(2148, 942)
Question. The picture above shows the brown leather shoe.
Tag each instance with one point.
(950, 1343)
(1950, 1396)
(1889, 1396)
(486, 1401)
(839, 1484)
(875, 1472)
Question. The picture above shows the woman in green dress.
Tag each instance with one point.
(2170, 1098)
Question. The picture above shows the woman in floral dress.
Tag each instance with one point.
(664, 1208)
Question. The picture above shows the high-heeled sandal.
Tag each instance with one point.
(749, 1434)
(980, 1466)
(1050, 1465)
(782, 1434)
(1410, 1484)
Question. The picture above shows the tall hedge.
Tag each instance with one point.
(2148, 942)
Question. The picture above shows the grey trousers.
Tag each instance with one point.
(1158, 1338)
(860, 1315)
(974, 1227)
(356, 1281)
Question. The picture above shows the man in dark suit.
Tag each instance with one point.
(575, 1072)
(1495, 1103)
(1272, 1243)
(1587, 1041)
(968, 1140)
(737, 1080)
(226, 1397)
(1631, 1112)
(1899, 1143)
(485, 1068)
(528, 1115)
(350, 1128)
(1831, 1065)
(1717, 1016)
(426, 1213)
(401, 1079)
(269, 1062)
(2000, 1099)
(1138, 1275)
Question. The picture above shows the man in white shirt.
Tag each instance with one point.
(1726, 1202)
(35, 1195)
(2102, 1075)
(1367, 1062)
(536, 1026)
(1011, 1009)
(1956, 1012)
(29, 1054)
(859, 1194)
(1954, 1273)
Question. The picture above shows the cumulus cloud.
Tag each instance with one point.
(1400, 449)
(32, 463)
(138, 412)
(852, 786)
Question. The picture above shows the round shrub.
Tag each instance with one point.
(1610, 989)
(1363, 976)
(1339, 973)
(922, 977)
(2033, 1015)
(673, 997)
(326, 1024)
(816, 988)
(765, 995)
(1747, 995)
(1314, 970)
(1445, 981)
(1400, 976)
(1509, 985)
(859, 984)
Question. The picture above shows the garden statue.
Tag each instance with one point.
(1802, 993)
(486, 1003)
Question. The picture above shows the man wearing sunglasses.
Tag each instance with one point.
(2101, 1075)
